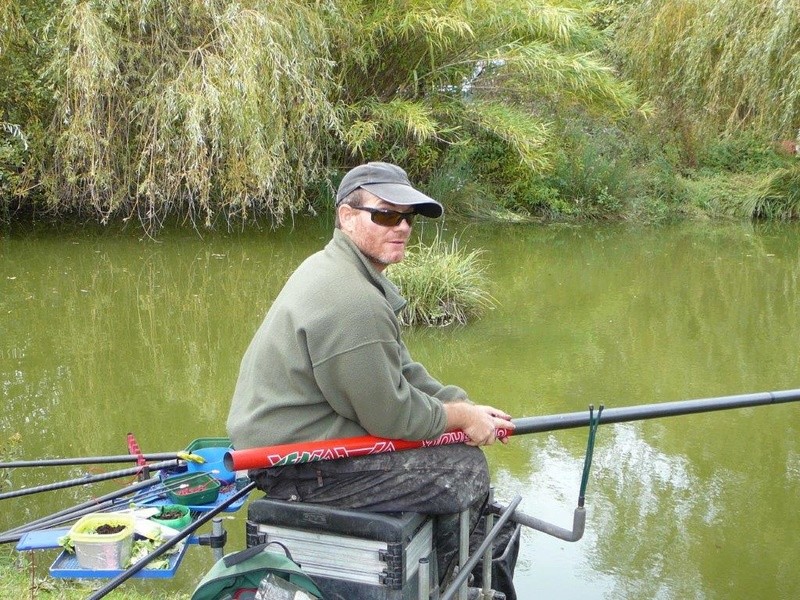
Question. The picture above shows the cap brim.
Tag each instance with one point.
(405, 195)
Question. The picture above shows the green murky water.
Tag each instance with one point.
(103, 333)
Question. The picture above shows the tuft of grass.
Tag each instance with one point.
(720, 194)
(777, 197)
(443, 284)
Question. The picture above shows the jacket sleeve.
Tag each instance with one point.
(366, 385)
(365, 373)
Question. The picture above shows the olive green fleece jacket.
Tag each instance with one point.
(328, 362)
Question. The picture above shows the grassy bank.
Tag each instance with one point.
(19, 579)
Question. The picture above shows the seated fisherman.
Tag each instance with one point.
(328, 362)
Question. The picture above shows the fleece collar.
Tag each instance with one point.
(342, 242)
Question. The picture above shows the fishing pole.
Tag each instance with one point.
(88, 479)
(99, 460)
(102, 503)
(185, 533)
(303, 452)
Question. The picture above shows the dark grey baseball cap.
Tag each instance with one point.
(389, 183)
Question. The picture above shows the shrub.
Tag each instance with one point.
(592, 167)
(479, 185)
(443, 284)
(778, 195)
(739, 153)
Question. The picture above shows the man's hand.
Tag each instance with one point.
(479, 423)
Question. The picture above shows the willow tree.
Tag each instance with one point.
(719, 66)
(196, 107)
(211, 109)
(25, 101)
(416, 78)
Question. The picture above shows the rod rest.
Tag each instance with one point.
(578, 523)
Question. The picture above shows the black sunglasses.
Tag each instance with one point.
(387, 218)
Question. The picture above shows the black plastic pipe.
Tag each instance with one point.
(88, 479)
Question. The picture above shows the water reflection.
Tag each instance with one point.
(105, 334)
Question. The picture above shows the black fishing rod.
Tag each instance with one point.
(302, 452)
(653, 411)
(102, 503)
(99, 460)
(88, 479)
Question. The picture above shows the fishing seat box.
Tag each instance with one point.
(349, 554)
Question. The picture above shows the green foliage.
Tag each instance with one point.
(718, 65)
(455, 184)
(719, 194)
(13, 155)
(739, 176)
(599, 169)
(24, 99)
(592, 179)
(661, 184)
(503, 178)
(461, 185)
(210, 107)
(608, 12)
(217, 111)
(447, 76)
(444, 284)
(778, 196)
(593, 169)
(741, 153)
(521, 137)
(727, 79)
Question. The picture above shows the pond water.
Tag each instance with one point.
(103, 333)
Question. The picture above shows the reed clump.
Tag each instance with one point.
(777, 197)
(444, 284)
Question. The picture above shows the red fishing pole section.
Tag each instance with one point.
(289, 454)
(303, 452)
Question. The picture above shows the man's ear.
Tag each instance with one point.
(346, 217)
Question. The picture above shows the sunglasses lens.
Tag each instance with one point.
(391, 218)
(386, 218)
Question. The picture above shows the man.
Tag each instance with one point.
(328, 362)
